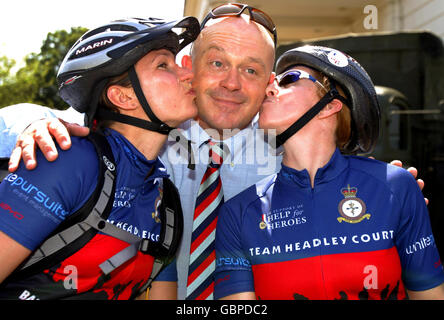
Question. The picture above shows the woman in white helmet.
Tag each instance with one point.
(124, 77)
(328, 225)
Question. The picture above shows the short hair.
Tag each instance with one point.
(104, 102)
(343, 127)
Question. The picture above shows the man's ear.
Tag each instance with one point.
(187, 62)
(122, 97)
(332, 108)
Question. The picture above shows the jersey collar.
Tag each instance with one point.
(330, 171)
(137, 160)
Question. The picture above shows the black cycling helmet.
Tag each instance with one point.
(356, 83)
(112, 49)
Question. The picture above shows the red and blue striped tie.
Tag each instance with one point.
(210, 197)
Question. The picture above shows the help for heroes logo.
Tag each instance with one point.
(283, 217)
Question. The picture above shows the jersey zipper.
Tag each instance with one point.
(316, 234)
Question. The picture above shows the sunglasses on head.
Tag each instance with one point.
(236, 9)
(294, 75)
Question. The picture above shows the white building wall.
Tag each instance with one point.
(404, 15)
(392, 15)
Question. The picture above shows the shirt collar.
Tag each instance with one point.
(243, 147)
(199, 137)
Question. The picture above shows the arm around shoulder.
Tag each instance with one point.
(163, 290)
(241, 296)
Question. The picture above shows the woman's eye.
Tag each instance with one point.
(162, 65)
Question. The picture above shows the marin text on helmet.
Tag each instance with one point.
(113, 49)
(346, 72)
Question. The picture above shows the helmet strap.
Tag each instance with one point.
(157, 124)
(310, 114)
(105, 114)
(90, 114)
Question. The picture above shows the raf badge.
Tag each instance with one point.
(351, 209)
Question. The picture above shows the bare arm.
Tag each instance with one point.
(11, 255)
(436, 293)
(163, 290)
(241, 296)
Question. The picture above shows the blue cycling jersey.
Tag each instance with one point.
(33, 203)
(362, 232)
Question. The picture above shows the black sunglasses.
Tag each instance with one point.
(236, 9)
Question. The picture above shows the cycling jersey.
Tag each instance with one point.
(33, 203)
(362, 232)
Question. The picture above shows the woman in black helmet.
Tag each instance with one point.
(327, 226)
(124, 77)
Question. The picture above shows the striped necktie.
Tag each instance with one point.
(210, 197)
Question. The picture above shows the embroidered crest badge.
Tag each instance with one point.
(351, 208)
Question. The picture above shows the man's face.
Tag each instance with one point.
(232, 65)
